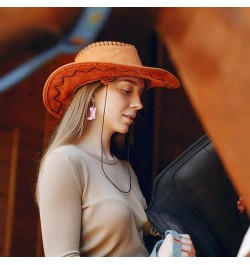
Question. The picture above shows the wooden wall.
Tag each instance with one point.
(175, 123)
(22, 128)
(9, 143)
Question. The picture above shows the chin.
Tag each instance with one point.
(123, 131)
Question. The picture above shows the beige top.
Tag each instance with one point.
(82, 213)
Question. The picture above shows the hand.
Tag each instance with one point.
(240, 205)
(166, 248)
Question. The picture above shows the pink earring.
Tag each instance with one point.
(92, 112)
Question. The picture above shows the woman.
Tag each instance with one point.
(90, 202)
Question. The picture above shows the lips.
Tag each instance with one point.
(131, 117)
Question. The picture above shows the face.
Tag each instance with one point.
(122, 104)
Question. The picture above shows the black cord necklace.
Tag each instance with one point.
(130, 179)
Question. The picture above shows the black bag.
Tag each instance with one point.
(195, 196)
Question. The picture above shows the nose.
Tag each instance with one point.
(136, 104)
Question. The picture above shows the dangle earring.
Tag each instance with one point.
(92, 110)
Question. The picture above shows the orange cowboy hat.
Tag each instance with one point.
(99, 61)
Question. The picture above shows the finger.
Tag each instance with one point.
(240, 206)
(188, 251)
(184, 254)
(240, 203)
(185, 236)
(186, 248)
(241, 209)
(187, 245)
(186, 241)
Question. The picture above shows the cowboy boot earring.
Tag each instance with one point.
(92, 112)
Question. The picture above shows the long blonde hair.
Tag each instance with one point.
(74, 121)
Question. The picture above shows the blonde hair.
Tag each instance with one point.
(73, 123)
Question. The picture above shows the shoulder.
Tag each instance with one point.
(68, 153)
(64, 162)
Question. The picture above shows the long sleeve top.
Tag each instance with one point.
(82, 213)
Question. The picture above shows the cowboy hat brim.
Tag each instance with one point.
(63, 82)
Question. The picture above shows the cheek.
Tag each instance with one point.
(115, 106)
(112, 111)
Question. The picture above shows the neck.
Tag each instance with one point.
(91, 141)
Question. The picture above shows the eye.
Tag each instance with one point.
(126, 91)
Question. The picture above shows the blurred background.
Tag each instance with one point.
(166, 126)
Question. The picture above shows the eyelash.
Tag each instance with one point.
(126, 91)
